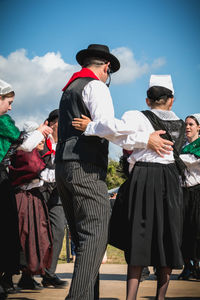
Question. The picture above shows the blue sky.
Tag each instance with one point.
(39, 40)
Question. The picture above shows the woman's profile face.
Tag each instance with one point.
(40, 146)
(192, 128)
(5, 104)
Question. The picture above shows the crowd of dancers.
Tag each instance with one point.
(58, 169)
(31, 214)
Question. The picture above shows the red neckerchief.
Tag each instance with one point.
(85, 72)
(49, 146)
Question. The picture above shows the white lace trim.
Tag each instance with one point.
(165, 114)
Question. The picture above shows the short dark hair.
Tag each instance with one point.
(54, 114)
(88, 61)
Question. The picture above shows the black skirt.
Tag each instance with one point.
(149, 211)
(191, 224)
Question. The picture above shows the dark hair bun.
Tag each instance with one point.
(158, 92)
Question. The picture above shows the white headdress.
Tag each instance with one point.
(161, 80)
(30, 126)
(5, 88)
(197, 117)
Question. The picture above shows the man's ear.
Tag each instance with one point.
(106, 66)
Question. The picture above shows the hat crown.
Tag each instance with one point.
(99, 47)
(101, 52)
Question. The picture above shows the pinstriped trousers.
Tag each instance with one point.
(84, 196)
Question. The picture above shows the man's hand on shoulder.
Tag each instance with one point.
(158, 144)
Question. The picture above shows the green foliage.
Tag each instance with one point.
(115, 176)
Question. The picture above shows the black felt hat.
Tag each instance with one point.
(98, 51)
(53, 115)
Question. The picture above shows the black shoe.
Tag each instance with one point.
(196, 273)
(54, 281)
(26, 282)
(3, 293)
(185, 274)
(145, 274)
(7, 285)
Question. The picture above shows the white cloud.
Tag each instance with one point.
(50, 62)
(131, 69)
(33, 78)
(38, 82)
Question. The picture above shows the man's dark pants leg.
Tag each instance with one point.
(84, 195)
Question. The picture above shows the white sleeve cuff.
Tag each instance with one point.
(90, 130)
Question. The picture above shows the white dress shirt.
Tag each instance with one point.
(97, 98)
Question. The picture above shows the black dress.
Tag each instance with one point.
(149, 212)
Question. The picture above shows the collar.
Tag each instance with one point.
(84, 72)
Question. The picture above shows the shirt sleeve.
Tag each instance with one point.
(48, 175)
(31, 141)
(97, 98)
(132, 131)
(190, 159)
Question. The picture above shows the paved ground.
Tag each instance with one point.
(113, 285)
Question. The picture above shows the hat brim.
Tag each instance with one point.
(114, 62)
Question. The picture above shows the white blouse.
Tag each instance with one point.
(193, 166)
(132, 133)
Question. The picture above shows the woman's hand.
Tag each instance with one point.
(81, 124)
